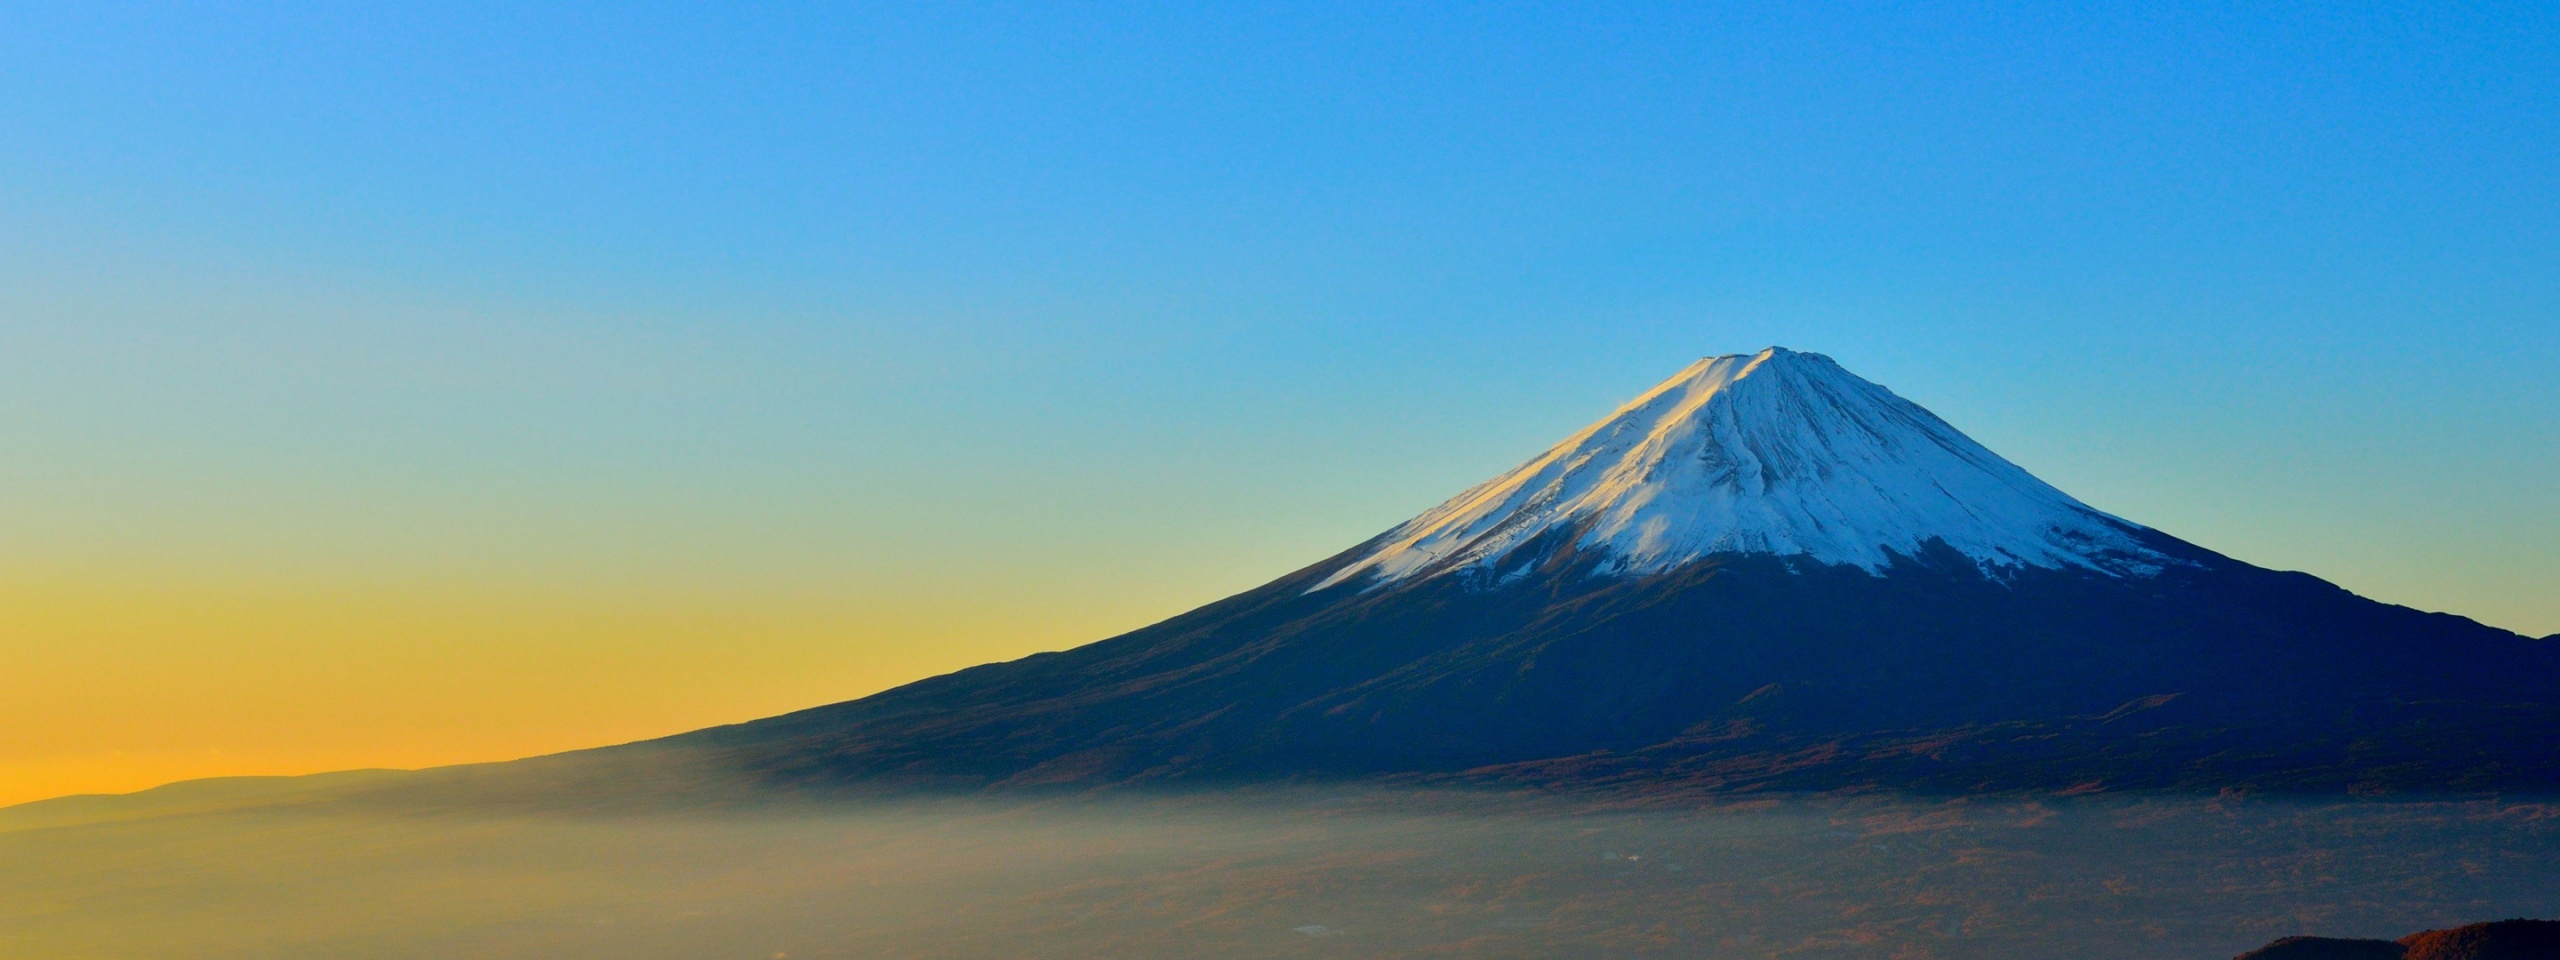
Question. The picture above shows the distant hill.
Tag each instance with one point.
(2501, 940)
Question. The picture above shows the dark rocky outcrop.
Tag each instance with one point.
(2501, 940)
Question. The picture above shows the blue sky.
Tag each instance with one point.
(1032, 323)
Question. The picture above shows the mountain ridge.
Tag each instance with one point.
(1775, 639)
(1512, 636)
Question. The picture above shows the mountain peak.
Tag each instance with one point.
(1777, 452)
(2116, 666)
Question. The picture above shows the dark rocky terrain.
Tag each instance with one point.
(2499, 940)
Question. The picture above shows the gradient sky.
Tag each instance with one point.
(388, 385)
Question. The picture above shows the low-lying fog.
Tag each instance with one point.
(1269, 874)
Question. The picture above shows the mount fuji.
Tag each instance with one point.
(1763, 573)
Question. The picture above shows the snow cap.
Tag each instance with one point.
(1776, 452)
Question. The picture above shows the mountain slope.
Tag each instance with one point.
(1764, 572)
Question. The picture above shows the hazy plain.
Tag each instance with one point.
(273, 869)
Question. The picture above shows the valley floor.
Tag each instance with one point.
(1276, 874)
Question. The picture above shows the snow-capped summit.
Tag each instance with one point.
(1777, 452)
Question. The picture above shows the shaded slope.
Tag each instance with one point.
(1737, 672)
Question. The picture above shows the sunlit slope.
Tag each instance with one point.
(1776, 453)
